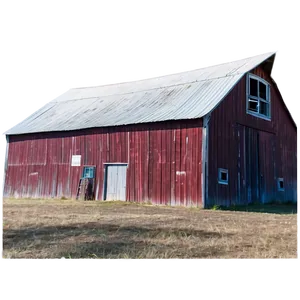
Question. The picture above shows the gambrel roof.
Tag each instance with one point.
(186, 95)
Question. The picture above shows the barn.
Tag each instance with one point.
(220, 135)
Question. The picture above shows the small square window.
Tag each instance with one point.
(280, 184)
(223, 176)
(88, 172)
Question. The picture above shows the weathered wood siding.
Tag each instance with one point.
(231, 128)
(164, 162)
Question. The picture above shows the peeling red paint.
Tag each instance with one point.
(155, 153)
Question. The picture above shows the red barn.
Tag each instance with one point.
(218, 135)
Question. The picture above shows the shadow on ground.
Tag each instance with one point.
(111, 241)
(266, 208)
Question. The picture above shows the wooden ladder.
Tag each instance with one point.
(80, 189)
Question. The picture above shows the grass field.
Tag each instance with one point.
(73, 229)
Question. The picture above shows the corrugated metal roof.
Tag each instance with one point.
(186, 95)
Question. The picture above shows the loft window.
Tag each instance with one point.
(223, 176)
(280, 184)
(258, 97)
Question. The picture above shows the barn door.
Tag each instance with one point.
(33, 185)
(252, 165)
(267, 167)
(255, 165)
(116, 182)
(248, 165)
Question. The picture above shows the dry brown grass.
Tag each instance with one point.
(72, 229)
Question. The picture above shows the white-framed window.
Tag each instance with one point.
(223, 176)
(280, 184)
(258, 97)
(88, 172)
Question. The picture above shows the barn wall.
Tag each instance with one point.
(229, 124)
(164, 162)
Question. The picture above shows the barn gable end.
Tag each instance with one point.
(255, 151)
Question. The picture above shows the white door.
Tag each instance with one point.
(116, 182)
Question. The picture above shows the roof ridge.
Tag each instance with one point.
(168, 75)
(227, 61)
(194, 70)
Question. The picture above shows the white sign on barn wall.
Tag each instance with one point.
(76, 161)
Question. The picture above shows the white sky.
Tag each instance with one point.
(141, 75)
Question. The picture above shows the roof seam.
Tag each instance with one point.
(156, 88)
